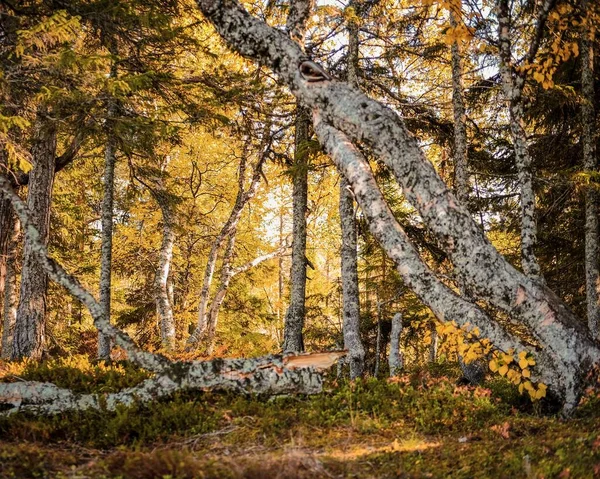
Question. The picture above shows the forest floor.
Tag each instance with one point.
(422, 424)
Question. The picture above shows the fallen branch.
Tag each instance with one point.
(268, 375)
(287, 374)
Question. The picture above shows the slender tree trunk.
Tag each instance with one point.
(29, 335)
(10, 288)
(395, 358)
(349, 253)
(243, 197)
(592, 200)
(433, 347)
(226, 275)
(293, 339)
(104, 346)
(512, 85)
(294, 318)
(461, 175)
(161, 282)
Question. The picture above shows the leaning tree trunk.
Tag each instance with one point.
(512, 85)
(161, 282)
(568, 349)
(228, 272)
(29, 334)
(349, 250)
(10, 287)
(267, 375)
(592, 200)
(243, 197)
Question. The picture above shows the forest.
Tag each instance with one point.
(299, 239)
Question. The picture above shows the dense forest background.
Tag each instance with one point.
(148, 87)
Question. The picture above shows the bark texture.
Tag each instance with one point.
(270, 375)
(164, 307)
(592, 200)
(293, 340)
(9, 310)
(461, 174)
(289, 374)
(395, 358)
(565, 340)
(110, 160)
(228, 272)
(294, 317)
(349, 250)
(512, 85)
(29, 332)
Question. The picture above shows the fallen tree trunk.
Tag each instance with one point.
(282, 374)
(270, 375)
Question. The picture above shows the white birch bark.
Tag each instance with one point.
(592, 200)
(270, 375)
(512, 85)
(395, 360)
(9, 315)
(29, 331)
(161, 281)
(227, 274)
(39, 253)
(243, 197)
(480, 266)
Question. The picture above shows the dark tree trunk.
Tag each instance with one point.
(29, 335)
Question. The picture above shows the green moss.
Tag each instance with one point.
(421, 424)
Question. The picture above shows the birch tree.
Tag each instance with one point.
(564, 341)
(513, 82)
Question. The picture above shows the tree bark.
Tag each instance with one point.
(29, 332)
(592, 200)
(512, 85)
(566, 342)
(395, 358)
(461, 174)
(269, 375)
(293, 340)
(349, 250)
(433, 347)
(10, 287)
(161, 282)
(110, 159)
(243, 197)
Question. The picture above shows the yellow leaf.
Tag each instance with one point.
(503, 370)
(493, 365)
(523, 363)
(526, 373)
